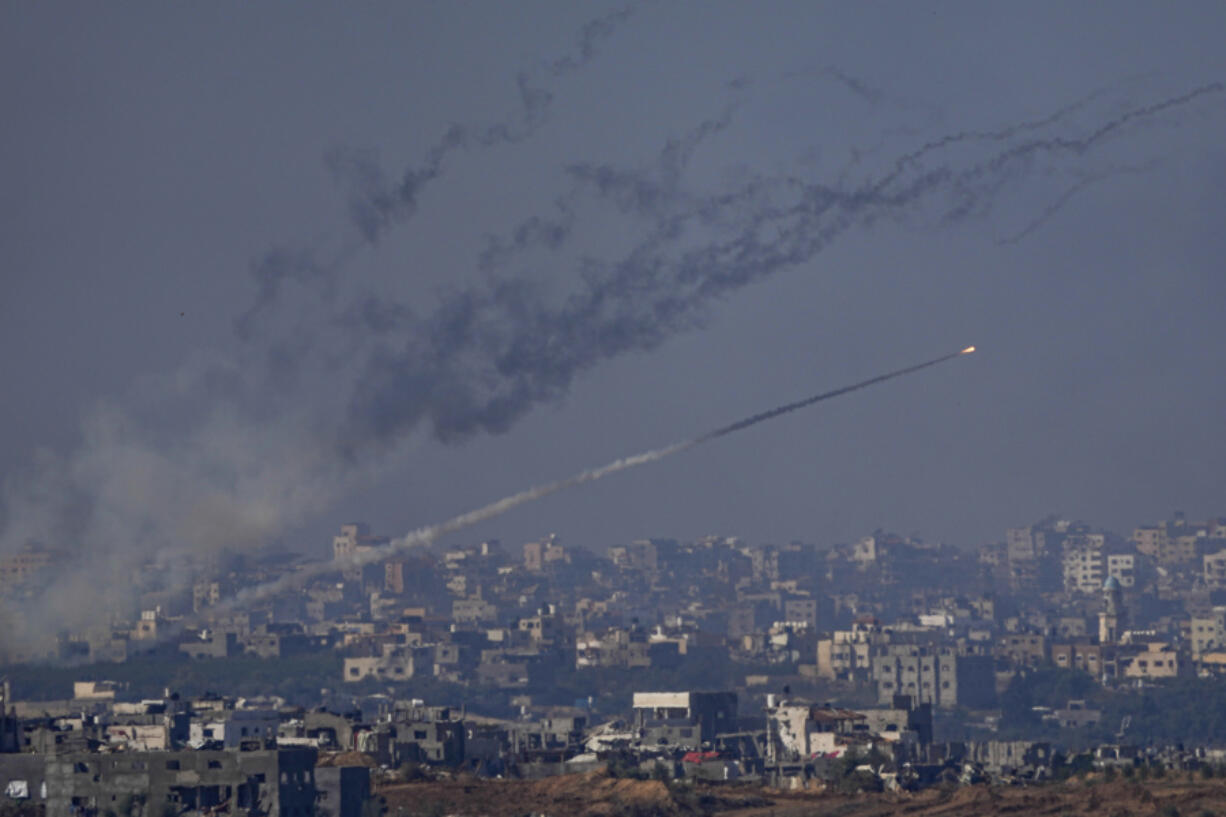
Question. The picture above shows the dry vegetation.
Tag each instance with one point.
(597, 795)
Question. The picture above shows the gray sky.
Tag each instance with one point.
(154, 154)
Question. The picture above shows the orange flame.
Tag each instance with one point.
(967, 350)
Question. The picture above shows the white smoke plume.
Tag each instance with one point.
(426, 535)
(232, 449)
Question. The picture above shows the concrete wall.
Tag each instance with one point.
(145, 784)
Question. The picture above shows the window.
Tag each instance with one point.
(173, 765)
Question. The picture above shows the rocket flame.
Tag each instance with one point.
(430, 533)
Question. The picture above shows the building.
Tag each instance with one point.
(541, 629)
(341, 791)
(684, 718)
(801, 731)
(1083, 570)
(211, 644)
(1032, 556)
(428, 734)
(539, 555)
(395, 662)
(1150, 540)
(1113, 618)
(472, 611)
(94, 690)
(847, 654)
(1215, 569)
(355, 539)
(641, 554)
(1010, 757)
(935, 675)
(26, 565)
(1022, 649)
(1080, 655)
(1157, 660)
(899, 719)
(801, 610)
(1123, 568)
(1174, 542)
(1076, 715)
(276, 783)
(1207, 633)
(10, 725)
(617, 647)
(233, 728)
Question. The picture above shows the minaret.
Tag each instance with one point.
(1113, 617)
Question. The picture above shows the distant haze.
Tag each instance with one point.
(268, 270)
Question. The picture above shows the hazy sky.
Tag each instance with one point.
(644, 225)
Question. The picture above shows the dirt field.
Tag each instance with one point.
(596, 795)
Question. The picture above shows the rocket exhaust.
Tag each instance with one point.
(770, 414)
(426, 535)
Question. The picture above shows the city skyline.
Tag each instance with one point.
(146, 199)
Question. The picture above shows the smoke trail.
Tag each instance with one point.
(216, 455)
(1054, 207)
(1003, 134)
(492, 351)
(428, 534)
(229, 456)
(489, 354)
(376, 202)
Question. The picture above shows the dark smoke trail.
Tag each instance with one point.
(1068, 195)
(808, 401)
(489, 354)
(426, 535)
(246, 448)
(376, 202)
(1001, 135)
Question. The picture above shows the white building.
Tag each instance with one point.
(1123, 566)
(232, 727)
(1208, 633)
(1083, 570)
(397, 662)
